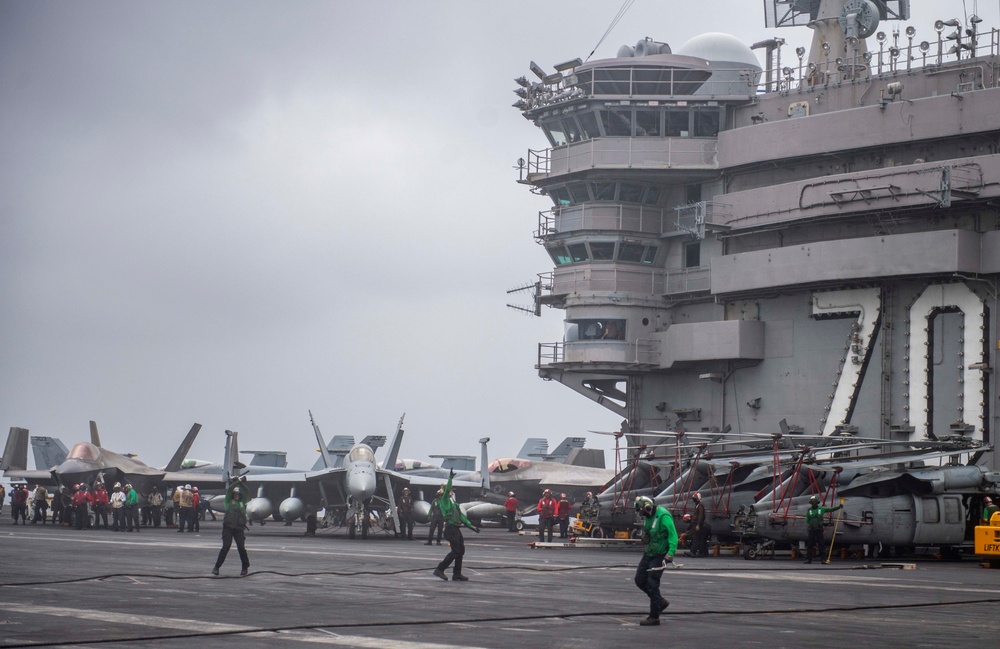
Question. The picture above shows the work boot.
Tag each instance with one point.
(650, 621)
(215, 571)
(429, 543)
(459, 578)
(243, 573)
(663, 605)
(440, 574)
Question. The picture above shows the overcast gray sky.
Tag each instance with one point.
(233, 212)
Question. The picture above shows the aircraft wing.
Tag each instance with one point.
(200, 479)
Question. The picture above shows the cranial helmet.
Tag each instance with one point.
(510, 493)
(188, 487)
(237, 492)
(814, 500)
(547, 491)
(406, 490)
(696, 495)
(645, 505)
(118, 485)
(687, 518)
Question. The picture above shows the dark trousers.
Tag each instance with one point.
(649, 582)
(563, 528)
(80, 516)
(699, 541)
(545, 524)
(41, 512)
(228, 536)
(406, 526)
(815, 538)
(132, 517)
(118, 518)
(156, 512)
(439, 525)
(512, 521)
(100, 514)
(453, 534)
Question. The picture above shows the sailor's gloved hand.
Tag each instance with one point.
(475, 529)
(451, 473)
(668, 559)
(243, 478)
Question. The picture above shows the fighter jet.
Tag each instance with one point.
(353, 492)
(88, 462)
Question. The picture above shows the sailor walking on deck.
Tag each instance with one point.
(660, 538)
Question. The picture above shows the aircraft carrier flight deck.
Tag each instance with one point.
(67, 588)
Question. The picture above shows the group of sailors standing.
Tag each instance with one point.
(73, 507)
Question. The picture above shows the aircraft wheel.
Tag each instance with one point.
(596, 533)
(519, 525)
(749, 552)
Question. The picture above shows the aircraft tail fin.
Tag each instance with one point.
(589, 457)
(324, 460)
(460, 463)
(229, 456)
(15, 454)
(273, 459)
(175, 462)
(484, 468)
(561, 454)
(374, 441)
(392, 453)
(95, 438)
(533, 447)
(49, 452)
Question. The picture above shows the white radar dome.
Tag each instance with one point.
(716, 46)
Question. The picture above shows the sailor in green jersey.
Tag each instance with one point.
(234, 522)
(660, 537)
(989, 508)
(454, 519)
(814, 523)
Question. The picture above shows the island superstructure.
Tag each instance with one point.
(811, 243)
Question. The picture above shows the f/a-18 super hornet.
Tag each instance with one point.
(353, 490)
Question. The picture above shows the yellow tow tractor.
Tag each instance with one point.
(988, 541)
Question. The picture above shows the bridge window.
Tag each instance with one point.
(630, 193)
(647, 123)
(617, 123)
(605, 191)
(677, 123)
(578, 252)
(560, 255)
(706, 123)
(593, 329)
(603, 251)
(554, 131)
(588, 121)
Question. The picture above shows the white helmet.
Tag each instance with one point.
(188, 487)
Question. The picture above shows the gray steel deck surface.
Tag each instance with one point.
(67, 588)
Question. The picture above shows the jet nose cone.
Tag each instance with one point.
(361, 484)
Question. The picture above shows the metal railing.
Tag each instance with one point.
(625, 152)
(601, 216)
(607, 278)
(642, 351)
